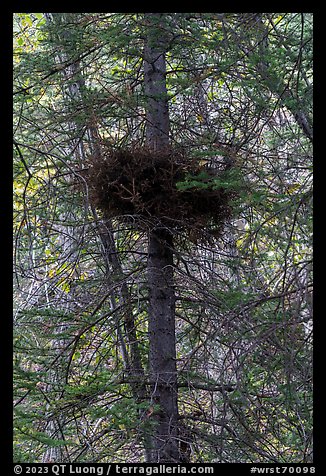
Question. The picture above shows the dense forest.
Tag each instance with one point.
(162, 237)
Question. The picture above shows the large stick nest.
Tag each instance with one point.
(166, 188)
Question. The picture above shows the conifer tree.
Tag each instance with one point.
(162, 177)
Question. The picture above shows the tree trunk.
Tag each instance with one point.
(157, 112)
(56, 423)
(161, 325)
(162, 349)
(130, 349)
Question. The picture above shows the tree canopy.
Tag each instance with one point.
(163, 237)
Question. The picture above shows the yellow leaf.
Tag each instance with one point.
(292, 188)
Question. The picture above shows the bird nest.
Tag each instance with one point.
(158, 189)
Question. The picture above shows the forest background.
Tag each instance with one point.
(172, 326)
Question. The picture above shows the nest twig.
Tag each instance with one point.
(148, 188)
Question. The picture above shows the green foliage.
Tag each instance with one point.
(243, 302)
(227, 180)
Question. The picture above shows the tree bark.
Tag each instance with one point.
(161, 325)
(162, 347)
(157, 112)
